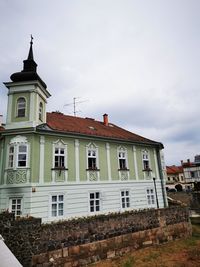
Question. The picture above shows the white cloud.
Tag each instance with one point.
(136, 60)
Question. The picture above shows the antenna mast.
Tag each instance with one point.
(75, 102)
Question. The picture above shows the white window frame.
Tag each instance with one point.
(16, 198)
(16, 142)
(151, 197)
(61, 145)
(22, 153)
(23, 107)
(122, 151)
(57, 202)
(95, 203)
(125, 196)
(41, 108)
(11, 156)
(94, 148)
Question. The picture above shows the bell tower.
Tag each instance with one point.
(27, 96)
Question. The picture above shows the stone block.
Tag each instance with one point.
(110, 254)
(147, 243)
(65, 252)
(74, 251)
(55, 254)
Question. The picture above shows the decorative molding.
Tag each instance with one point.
(135, 162)
(9, 109)
(77, 167)
(41, 170)
(108, 161)
(121, 172)
(156, 163)
(93, 176)
(18, 140)
(32, 107)
(17, 177)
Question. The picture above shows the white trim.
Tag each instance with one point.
(16, 196)
(129, 195)
(41, 171)
(57, 193)
(151, 188)
(92, 146)
(135, 162)
(156, 164)
(9, 108)
(123, 150)
(100, 202)
(32, 105)
(60, 144)
(108, 161)
(77, 170)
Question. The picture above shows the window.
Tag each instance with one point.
(94, 201)
(125, 199)
(122, 160)
(22, 156)
(11, 157)
(21, 107)
(57, 205)
(193, 174)
(150, 196)
(59, 157)
(16, 206)
(145, 160)
(40, 111)
(92, 159)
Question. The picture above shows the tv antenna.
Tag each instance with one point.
(74, 103)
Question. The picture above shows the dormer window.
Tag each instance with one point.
(40, 111)
(21, 107)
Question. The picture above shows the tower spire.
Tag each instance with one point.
(30, 54)
(29, 72)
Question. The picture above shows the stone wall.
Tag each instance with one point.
(87, 240)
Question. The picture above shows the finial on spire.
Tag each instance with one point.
(30, 54)
(31, 39)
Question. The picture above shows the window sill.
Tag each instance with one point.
(125, 169)
(93, 169)
(147, 170)
(59, 169)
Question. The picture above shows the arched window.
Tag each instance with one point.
(40, 111)
(21, 107)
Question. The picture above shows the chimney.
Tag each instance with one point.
(188, 160)
(105, 119)
(181, 162)
(1, 120)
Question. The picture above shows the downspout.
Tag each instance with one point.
(161, 178)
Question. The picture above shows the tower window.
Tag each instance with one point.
(21, 107)
(40, 111)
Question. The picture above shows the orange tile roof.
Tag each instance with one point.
(174, 169)
(87, 126)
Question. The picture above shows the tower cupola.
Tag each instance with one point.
(29, 72)
(27, 96)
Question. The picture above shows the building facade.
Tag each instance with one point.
(56, 166)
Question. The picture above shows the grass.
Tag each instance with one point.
(178, 253)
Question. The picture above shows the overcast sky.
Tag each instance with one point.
(137, 60)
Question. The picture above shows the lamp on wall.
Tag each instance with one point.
(154, 181)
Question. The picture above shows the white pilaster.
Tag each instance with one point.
(9, 108)
(108, 161)
(77, 171)
(156, 163)
(41, 170)
(32, 107)
(1, 163)
(135, 163)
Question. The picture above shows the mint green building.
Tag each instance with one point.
(56, 166)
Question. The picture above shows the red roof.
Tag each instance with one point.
(87, 126)
(174, 169)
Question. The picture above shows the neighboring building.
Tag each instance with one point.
(56, 166)
(192, 170)
(174, 174)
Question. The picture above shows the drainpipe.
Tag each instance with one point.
(161, 178)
